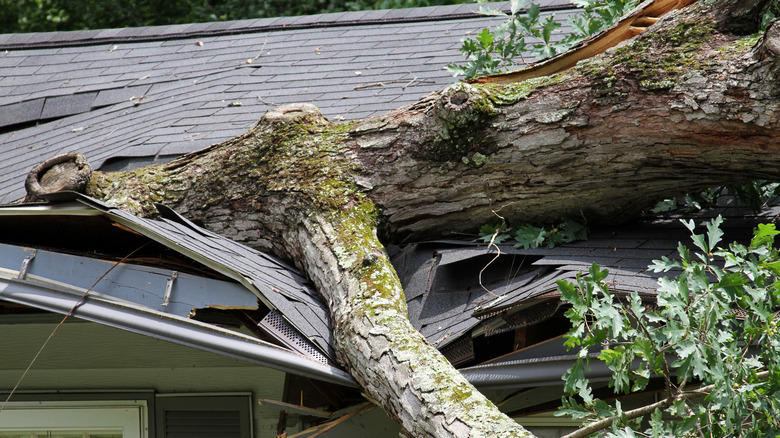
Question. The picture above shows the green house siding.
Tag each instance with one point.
(84, 358)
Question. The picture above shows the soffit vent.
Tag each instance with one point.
(526, 317)
(461, 351)
(279, 328)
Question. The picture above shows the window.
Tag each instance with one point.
(74, 419)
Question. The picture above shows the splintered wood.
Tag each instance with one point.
(645, 15)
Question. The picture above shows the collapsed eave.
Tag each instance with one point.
(172, 328)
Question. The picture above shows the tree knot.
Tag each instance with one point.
(458, 102)
(60, 173)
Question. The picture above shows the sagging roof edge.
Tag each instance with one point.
(173, 329)
(73, 203)
(213, 264)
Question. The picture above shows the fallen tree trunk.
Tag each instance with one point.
(686, 105)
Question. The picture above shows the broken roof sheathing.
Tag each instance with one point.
(126, 97)
(297, 319)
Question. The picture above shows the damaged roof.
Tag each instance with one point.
(189, 86)
(167, 267)
(464, 296)
(128, 97)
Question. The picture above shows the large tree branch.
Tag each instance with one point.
(681, 107)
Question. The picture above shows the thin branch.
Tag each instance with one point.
(629, 415)
(649, 409)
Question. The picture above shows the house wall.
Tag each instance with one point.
(87, 357)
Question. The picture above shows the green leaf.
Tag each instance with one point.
(764, 235)
(597, 275)
(529, 236)
(491, 12)
(485, 38)
(517, 5)
(733, 282)
(714, 233)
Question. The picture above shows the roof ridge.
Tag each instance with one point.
(44, 40)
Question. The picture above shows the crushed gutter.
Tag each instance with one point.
(164, 326)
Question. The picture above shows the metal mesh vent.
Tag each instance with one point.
(530, 316)
(275, 324)
(460, 351)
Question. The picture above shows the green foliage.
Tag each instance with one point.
(62, 15)
(715, 324)
(526, 34)
(772, 13)
(531, 236)
(753, 195)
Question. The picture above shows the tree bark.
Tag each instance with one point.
(686, 105)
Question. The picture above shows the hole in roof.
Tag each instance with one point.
(94, 236)
(463, 275)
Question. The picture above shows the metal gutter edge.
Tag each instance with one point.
(547, 371)
(173, 329)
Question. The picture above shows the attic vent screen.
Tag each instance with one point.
(527, 317)
(460, 351)
(274, 324)
(196, 416)
(195, 424)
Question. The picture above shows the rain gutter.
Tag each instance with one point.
(172, 328)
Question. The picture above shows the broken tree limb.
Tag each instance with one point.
(645, 14)
(684, 105)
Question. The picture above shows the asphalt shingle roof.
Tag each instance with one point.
(446, 300)
(132, 96)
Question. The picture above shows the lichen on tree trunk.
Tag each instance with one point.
(683, 106)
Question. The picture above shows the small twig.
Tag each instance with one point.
(267, 102)
(414, 79)
(70, 312)
(395, 81)
(375, 84)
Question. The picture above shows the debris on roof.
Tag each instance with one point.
(196, 85)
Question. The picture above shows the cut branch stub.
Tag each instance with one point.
(294, 111)
(65, 172)
(462, 114)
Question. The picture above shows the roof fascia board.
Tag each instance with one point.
(171, 328)
(65, 209)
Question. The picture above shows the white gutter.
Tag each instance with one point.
(171, 328)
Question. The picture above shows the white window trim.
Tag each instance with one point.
(128, 416)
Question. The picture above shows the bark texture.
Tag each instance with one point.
(685, 105)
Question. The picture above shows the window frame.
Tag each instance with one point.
(130, 416)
